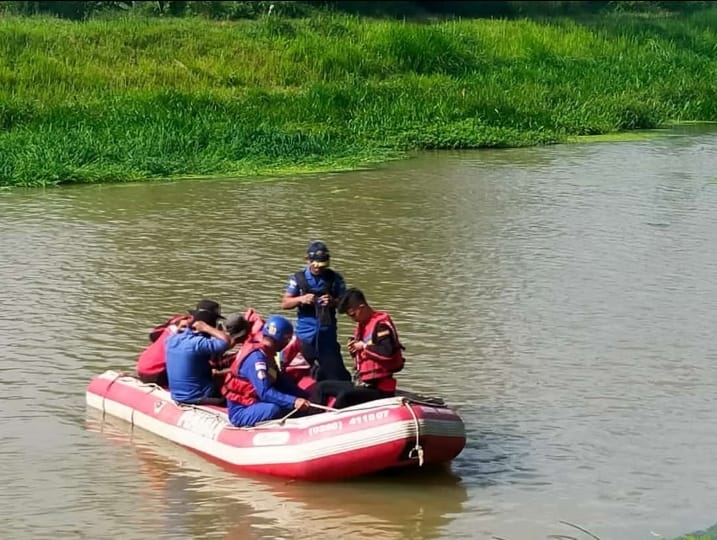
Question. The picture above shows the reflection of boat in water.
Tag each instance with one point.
(363, 439)
(398, 505)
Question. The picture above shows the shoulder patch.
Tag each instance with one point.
(383, 333)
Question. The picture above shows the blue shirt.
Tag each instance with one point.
(188, 370)
(307, 325)
(282, 393)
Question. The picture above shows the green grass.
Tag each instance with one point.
(709, 534)
(134, 98)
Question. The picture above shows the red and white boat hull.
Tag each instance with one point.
(367, 438)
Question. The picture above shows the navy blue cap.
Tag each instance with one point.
(317, 251)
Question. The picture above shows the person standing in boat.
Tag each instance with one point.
(377, 354)
(254, 388)
(152, 363)
(314, 292)
(189, 356)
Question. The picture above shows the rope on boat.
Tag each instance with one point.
(104, 395)
(283, 419)
(152, 388)
(417, 450)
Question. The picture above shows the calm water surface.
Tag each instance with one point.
(563, 299)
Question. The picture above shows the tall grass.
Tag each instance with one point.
(134, 98)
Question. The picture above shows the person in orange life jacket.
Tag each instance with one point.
(313, 292)
(189, 354)
(377, 353)
(254, 388)
(151, 365)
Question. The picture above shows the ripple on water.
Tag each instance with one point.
(561, 299)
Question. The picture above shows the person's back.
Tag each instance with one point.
(188, 354)
(151, 364)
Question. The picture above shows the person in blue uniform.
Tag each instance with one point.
(189, 355)
(255, 389)
(314, 292)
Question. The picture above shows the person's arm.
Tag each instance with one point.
(291, 298)
(216, 344)
(290, 302)
(256, 372)
(204, 328)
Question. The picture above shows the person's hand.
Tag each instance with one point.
(308, 298)
(302, 404)
(325, 299)
(201, 326)
(355, 346)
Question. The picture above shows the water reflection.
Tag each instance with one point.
(189, 496)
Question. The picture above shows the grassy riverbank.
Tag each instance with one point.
(134, 98)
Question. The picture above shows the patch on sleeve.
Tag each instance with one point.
(260, 366)
(292, 283)
(261, 375)
(383, 333)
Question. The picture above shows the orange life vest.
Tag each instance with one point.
(371, 366)
(157, 331)
(257, 323)
(240, 389)
(152, 360)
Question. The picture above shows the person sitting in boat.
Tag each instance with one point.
(313, 292)
(377, 354)
(255, 389)
(189, 354)
(203, 305)
(240, 327)
(152, 365)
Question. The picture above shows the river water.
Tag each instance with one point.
(563, 299)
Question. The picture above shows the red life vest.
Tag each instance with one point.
(239, 389)
(371, 366)
(157, 331)
(153, 360)
(257, 324)
(291, 351)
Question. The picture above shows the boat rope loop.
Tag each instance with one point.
(417, 450)
(107, 390)
(152, 388)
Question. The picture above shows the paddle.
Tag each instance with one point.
(323, 407)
